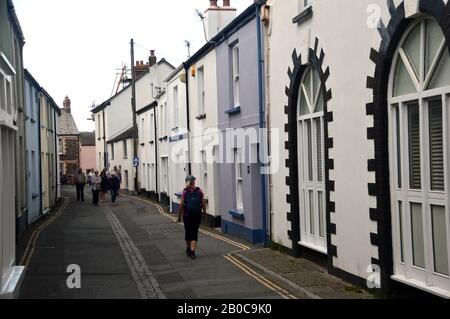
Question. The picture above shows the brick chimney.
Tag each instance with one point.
(217, 18)
(152, 58)
(66, 104)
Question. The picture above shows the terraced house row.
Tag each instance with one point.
(28, 149)
(344, 106)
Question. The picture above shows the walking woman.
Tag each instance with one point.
(104, 184)
(114, 187)
(96, 181)
(192, 208)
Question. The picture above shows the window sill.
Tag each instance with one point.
(304, 15)
(234, 111)
(236, 213)
(201, 116)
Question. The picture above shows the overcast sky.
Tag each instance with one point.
(74, 47)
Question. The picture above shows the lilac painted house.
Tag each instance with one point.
(242, 187)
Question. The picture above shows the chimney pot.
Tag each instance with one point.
(226, 3)
(152, 58)
(66, 104)
(213, 3)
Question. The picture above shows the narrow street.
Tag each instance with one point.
(131, 251)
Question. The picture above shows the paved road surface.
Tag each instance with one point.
(132, 251)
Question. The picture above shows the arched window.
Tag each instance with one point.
(419, 105)
(311, 162)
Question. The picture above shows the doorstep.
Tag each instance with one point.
(11, 290)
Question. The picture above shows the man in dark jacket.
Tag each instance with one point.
(80, 182)
(114, 187)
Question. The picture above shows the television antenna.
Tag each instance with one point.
(202, 17)
(188, 45)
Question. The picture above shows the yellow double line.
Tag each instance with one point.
(31, 245)
(246, 269)
(263, 280)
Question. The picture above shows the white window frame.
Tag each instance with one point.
(163, 120)
(201, 93)
(235, 57)
(175, 106)
(404, 269)
(164, 174)
(142, 130)
(239, 180)
(204, 172)
(152, 127)
(311, 183)
(6, 93)
(125, 149)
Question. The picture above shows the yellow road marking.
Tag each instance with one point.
(31, 245)
(250, 272)
(266, 282)
(229, 241)
(255, 276)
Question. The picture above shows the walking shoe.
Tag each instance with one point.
(188, 252)
(193, 255)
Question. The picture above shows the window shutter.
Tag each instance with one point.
(414, 146)
(436, 146)
(319, 149)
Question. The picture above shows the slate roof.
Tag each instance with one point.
(128, 134)
(87, 138)
(67, 124)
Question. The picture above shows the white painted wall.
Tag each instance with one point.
(124, 163)
(148, 88)
(99, 142)
(348, 58)
(177, 125)
(204, 131)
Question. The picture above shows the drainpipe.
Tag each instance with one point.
(186, 68)
(39, 155)
(156, 153)
(262, 125)
(104, 140)
(56, 152)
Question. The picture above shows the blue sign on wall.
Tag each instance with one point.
(136, 162)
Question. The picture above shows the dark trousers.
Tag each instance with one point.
(95, 196)
(191, 226)
(113, 196)
(80, 192)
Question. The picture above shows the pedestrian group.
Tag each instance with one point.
(192, 204)
(99, 184)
